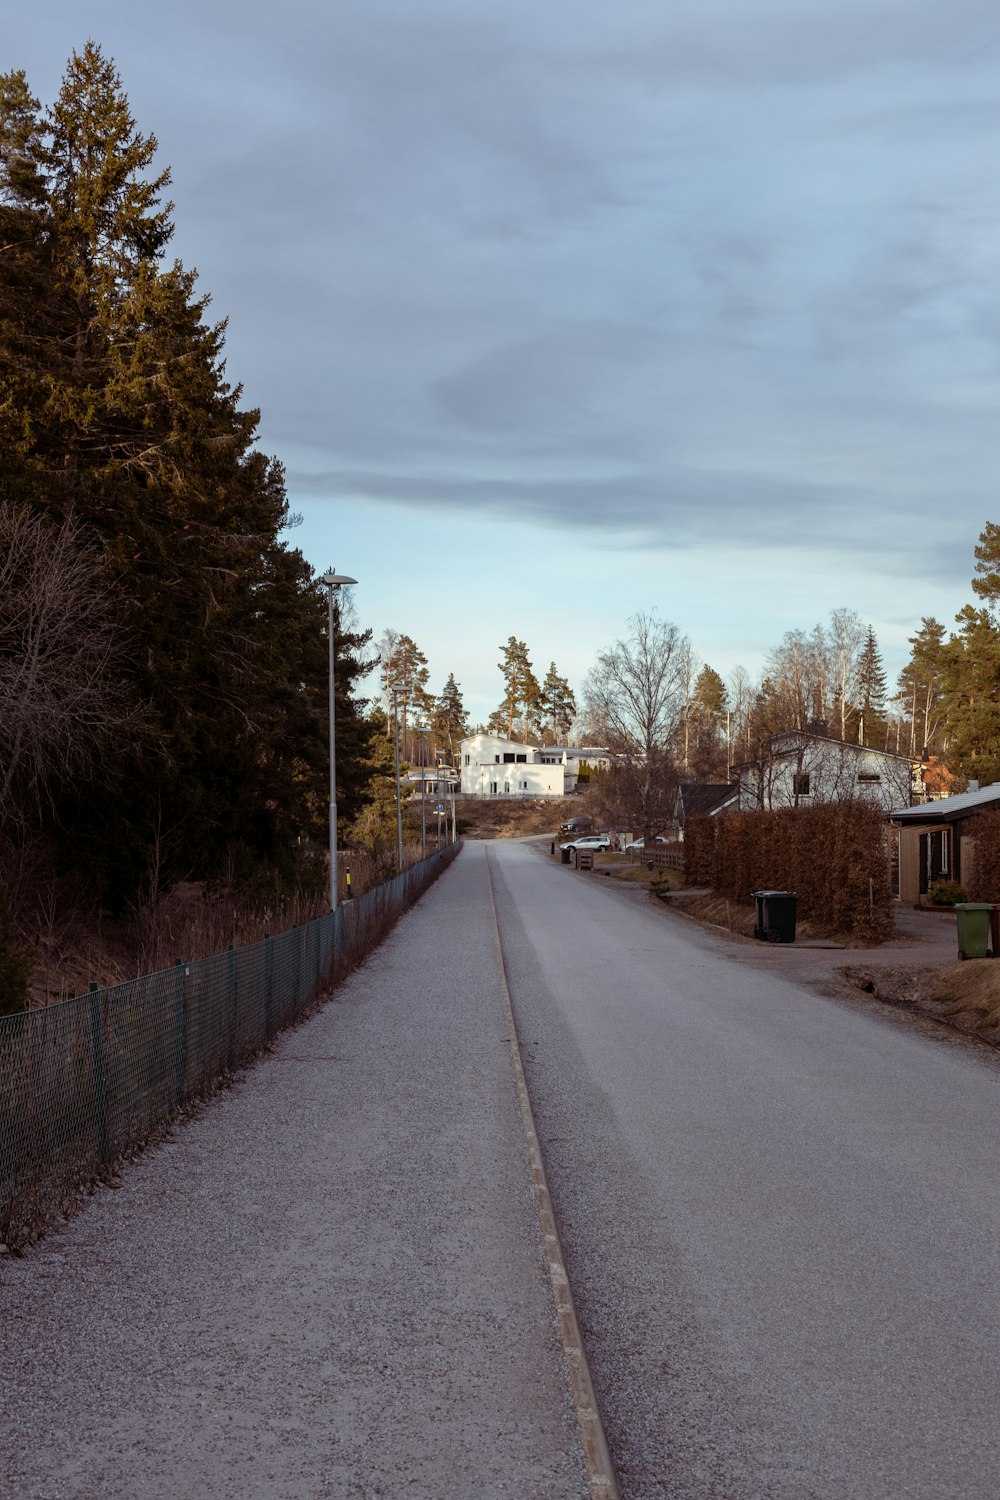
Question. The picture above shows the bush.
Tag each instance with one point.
(985, 882)
(945, 893)
(834, 856)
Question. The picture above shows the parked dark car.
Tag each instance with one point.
(582, 824)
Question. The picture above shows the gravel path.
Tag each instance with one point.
(329, 1284)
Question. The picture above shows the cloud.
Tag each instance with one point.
(642, 276)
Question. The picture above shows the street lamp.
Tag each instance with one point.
(333, 581)
(395, 690)
(423, 730)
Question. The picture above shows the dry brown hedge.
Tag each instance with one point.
(985, 882)
(834, 856)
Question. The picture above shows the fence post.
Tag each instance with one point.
(268, 960)
(100, 1080)
(179, 1038)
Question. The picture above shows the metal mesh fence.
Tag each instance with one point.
(85, 1081)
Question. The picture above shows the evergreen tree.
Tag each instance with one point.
(970, 683)
(707, 750)
(557, 703)
(871, 691)
(114, 408)
(987, 581)
(522, 696)
(449, 719)
(920, 686)
(404, 666)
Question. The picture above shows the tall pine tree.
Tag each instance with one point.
(871, 689)
(114, 406)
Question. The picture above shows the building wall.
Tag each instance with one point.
(835, 773)
(495, 767)
(909, 865)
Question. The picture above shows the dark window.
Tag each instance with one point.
(497, 759)
(935, 857)
(800, 784)
(508, 759)
(869, 776)
(522, 758)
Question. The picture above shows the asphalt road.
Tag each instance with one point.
(780, 1214)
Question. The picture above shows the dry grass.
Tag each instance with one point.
(968, 994)
(965, 995)
(496, 818)
(637, 874)
(75, 947)
(738, 917)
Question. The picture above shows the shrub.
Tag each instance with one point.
(945, 893)
(985, 882)
(834, 856)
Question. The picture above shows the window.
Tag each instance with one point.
(521, 758)
(497, 759)
(525, 785)
(506, 787)
(508, 759)
(493, 788)
(869, 776)
(800, 784)
(468, 759)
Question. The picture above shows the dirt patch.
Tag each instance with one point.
(964, 995)
(494, 818)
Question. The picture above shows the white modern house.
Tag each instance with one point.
(492, 766)
(800, 769)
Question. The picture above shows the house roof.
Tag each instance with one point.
(949, 809)
(796, 737)
(705, 796)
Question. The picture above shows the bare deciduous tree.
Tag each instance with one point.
(62, 698)
(634, 699)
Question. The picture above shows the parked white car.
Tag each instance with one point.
(591, 841)
(641, 842)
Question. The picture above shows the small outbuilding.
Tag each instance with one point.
(937, 840)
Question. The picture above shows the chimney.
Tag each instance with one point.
(973, 786)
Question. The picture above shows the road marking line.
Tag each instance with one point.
(600, 1470)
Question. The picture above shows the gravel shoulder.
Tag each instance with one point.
(331, 1283)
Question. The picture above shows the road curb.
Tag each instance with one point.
(600, 1470)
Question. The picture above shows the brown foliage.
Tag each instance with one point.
(834, 856)
(985, 882)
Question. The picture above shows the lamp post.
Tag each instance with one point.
(423, 730)
(333, 581)
(395, 690)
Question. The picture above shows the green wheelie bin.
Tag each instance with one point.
(973, 928)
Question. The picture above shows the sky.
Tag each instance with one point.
(560, 312)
